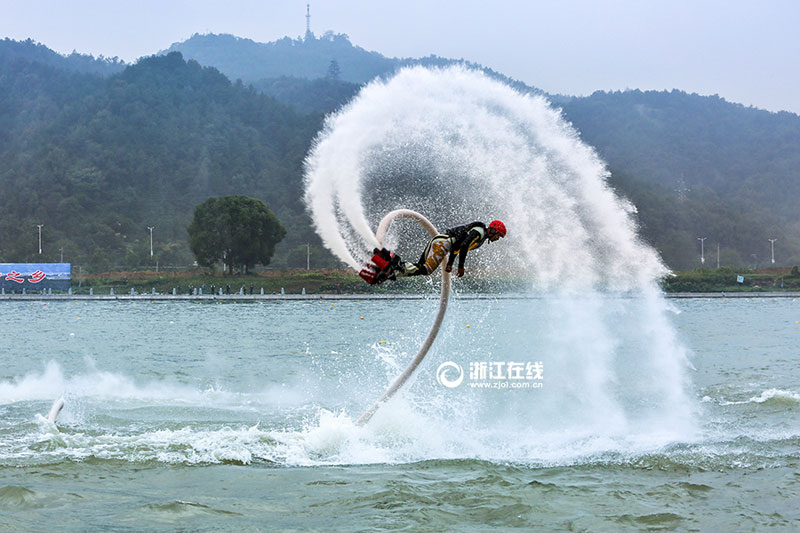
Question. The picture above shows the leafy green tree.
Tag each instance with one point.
(236, 230)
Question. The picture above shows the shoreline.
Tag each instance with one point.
(300, 297)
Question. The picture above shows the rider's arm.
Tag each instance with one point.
(462, 253)
(451, 259)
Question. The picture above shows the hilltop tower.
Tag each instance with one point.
(309, 35)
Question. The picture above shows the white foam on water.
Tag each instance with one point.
(102, 385)
(778, 394)
(769, 395)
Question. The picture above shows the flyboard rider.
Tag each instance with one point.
(454, 242)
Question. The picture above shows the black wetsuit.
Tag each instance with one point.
(465, 238)
(457, 241)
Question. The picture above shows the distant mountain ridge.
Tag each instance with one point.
(704, 152)
(674, 138)
(308, 58)
(32, 51)
(695, 166)
(250, 61)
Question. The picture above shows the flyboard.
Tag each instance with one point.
(382, 264)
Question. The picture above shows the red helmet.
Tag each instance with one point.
(499, 227)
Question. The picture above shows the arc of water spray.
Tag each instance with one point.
(383, 227)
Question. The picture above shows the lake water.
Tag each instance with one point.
(209, 417)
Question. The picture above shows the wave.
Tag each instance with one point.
(777, 397)
(327, 438)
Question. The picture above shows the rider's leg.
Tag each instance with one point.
(435, 252)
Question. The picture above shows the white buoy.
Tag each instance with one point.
(58, 405)
(383, 227)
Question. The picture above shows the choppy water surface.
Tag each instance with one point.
(241, 417)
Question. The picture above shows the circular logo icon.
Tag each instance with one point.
(442, 371)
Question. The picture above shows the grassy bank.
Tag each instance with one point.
(728, 280)
(347, 282)
(291, 281)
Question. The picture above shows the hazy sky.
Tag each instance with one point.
(745, 51)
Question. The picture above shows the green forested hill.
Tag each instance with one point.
(308, 96)
(672, 222)
(698, 166)
(98, 156)
(679, 139)
(98, 160)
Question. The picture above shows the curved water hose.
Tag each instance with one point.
(58, 405)
(383, 227)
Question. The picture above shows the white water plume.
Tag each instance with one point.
(458, 146)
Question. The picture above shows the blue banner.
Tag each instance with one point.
(35, 276)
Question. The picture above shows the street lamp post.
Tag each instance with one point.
(772, 248)
(702, 249)
(151, 240)
(40, 237)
